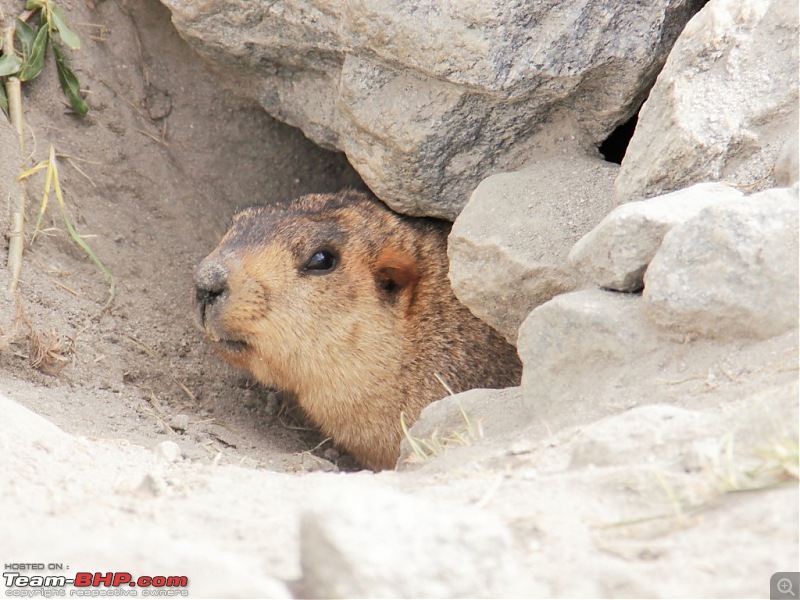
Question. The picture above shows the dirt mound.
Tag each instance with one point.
(151, 176)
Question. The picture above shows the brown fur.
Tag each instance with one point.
(362, 343)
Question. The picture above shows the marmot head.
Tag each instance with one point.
(347, 305)
(315, 292)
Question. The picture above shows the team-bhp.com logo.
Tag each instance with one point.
(115, 583)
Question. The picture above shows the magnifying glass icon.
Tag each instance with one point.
(785, 587)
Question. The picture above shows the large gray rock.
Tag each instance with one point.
(574, 347)
(427, 99)
(724, 104)
(509, 246)
(388, 545)
(730, 271)
(615, 254)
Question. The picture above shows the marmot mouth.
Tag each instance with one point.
(231, 346)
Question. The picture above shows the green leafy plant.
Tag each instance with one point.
(3, 97)
(33, 43)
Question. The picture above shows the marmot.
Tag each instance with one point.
(347, 305)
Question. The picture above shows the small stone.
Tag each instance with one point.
(179, 422)
(157, 102)
(331, 454)
(152, 484)
(222, 434)
(464, 420)
(169, 451)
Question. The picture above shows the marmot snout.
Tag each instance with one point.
(347, 305)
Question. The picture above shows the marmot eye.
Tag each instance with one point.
(322, 261)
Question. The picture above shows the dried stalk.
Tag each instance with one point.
(16, 239)
(16, 234)
(14, 93)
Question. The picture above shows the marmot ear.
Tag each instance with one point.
(396, 273)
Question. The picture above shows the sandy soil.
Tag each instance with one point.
(152, 175)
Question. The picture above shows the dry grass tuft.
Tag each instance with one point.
(771, 465)
(48, 352)
(423, 449)
(779, 460)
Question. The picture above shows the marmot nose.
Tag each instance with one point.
(210, 281)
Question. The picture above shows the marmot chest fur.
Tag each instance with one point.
(347, 305)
